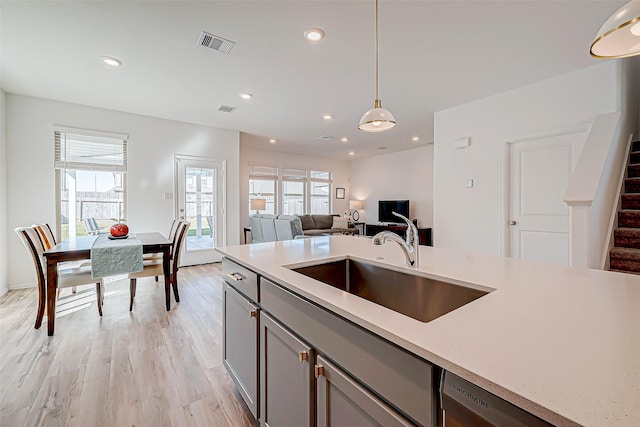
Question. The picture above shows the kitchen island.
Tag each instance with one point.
(561, 343)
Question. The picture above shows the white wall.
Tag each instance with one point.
(4, 284)
(151, 146)
(471, 218)
(339, 168)
(395, 176)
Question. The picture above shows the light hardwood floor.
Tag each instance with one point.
(148, 367)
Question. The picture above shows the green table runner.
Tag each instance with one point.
(111, 257)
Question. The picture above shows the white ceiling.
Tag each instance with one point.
(433, 55)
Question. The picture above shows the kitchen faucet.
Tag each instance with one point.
(409, 247)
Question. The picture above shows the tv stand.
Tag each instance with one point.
(424, 234)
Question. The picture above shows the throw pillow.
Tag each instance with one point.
(340, 222)
(307, 222)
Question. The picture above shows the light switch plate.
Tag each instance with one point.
(469, 183)
(168, 196)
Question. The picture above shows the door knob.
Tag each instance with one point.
(181, 210)
(512, 222)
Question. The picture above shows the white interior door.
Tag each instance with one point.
(538, 217)
(200, 200)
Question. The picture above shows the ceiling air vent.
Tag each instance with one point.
(226, 108)
(215, 42)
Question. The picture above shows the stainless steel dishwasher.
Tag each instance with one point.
(466, 404)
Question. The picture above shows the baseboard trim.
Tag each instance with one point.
(23, 286)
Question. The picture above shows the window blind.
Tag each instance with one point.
(294, 174)
(320, 175)
(75, 150)
(263, 172)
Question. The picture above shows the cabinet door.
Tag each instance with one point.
(286, 377)
(343, 402)
(241, 345)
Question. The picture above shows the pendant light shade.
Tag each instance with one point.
(377, 119)
(619, 37)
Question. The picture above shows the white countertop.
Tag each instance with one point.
(562, 343)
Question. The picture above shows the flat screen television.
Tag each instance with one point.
(385, 207)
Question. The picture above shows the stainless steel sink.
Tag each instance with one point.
(421, 298)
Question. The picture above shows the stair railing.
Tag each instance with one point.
(594, 188)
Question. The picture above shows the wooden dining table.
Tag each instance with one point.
(79, 248)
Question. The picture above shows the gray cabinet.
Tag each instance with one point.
(343, 402)
(273, 340)
(240, 347)
(393, 374)
(286, 377)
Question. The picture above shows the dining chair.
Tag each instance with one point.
(154, 266)
(48, 241)
(173, 229)
(67, 277)
(46, 235)
(172, 233)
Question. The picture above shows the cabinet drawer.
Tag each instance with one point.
(244, 280)
(401, 378)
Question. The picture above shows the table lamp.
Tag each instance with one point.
(258, 205)
(355, 205)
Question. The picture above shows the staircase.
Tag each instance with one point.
(625, 255)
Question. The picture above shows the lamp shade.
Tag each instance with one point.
(356, 204)
(377, 119)
(619, 37)
(258, 204)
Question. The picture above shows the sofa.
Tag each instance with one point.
(319, 224)
(270, 228)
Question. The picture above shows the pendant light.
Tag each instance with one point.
(619, 37)
(377, 119)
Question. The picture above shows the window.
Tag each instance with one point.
(320, 183)
(293, 197)
(200, 184)
(290, 191)
(262, 185)
(293, 191)
(90, 179)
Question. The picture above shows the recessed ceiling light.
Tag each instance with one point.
(314, 34)
(327, 117)
(415, 138)
(344, 139)
(246, 95)
(272, 141)
(351, 153)
(109, 60)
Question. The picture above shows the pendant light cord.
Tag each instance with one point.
(377, 50)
